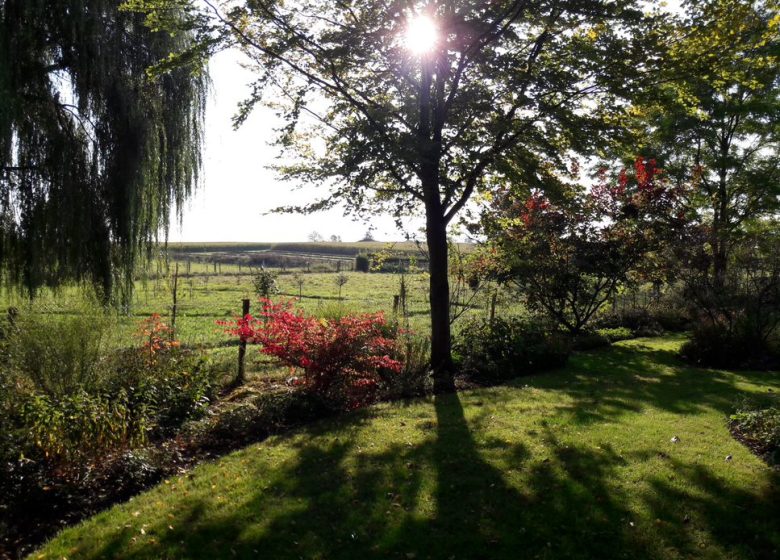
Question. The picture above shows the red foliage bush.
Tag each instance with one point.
(342, 360)
(156, 338)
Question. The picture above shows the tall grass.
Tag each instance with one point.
(60, 352)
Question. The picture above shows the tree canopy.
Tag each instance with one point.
(505, 90)
(94, 153)
(713, 119)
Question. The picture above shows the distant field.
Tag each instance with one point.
(211, 287)
(205, 297)
(325, 247)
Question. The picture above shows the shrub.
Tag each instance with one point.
(78, 427)
(143, 392)
(59, 354)
(264, 283)
(343, 359)
(362, 263)
(589, 340)
(641, 322)
(737, 310)
(176, 387)
(256, 419)
(165, 384)
(715, 345)
(616, 334)
(503, 349)
(672, 320)
(758, 426)
(414, 378)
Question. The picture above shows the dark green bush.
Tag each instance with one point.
(714, 345)
(257, 418)
(414, 379)
(589, 340)
(671, 319)
(178, 386)
(59, 354)
(640, 321)
(758, 426)
(362, 263)
(503, 349)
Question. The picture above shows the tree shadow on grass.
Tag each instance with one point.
(609, 383)
(447, 487)
(451, 494)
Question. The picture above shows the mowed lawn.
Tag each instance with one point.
(572, 464)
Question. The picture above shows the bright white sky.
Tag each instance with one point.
(239, 189)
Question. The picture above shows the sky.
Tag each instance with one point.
(239, 190)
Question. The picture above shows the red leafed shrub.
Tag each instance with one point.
(156, 337)
(342, 359)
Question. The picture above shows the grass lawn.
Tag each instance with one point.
(573, 464)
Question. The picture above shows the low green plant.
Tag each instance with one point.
(80, 426)
(506, 348)
(589, 340)
(641, 322)
(758, 426)
(414, 379)
(255, 419)
(177, 387)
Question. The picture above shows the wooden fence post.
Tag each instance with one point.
(175, 300)
(241, 377)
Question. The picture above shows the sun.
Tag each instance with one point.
(421, 35)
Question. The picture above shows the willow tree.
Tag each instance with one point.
(408, 106)
(93, 152)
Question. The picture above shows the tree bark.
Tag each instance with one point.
(429, 136)
(441, 342)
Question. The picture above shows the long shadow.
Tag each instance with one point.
(557, 506)
(451, 487)
(608, 383)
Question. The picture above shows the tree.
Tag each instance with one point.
(315, 237)
(264, 283)
(568, 257)
(340, 280)
(335, 239)
(489, 89)
(713, 121)
(94, 152)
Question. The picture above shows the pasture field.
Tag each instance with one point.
(211, 290)
(204, 299)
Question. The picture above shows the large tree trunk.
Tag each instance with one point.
(441, 343)
(429, 135)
